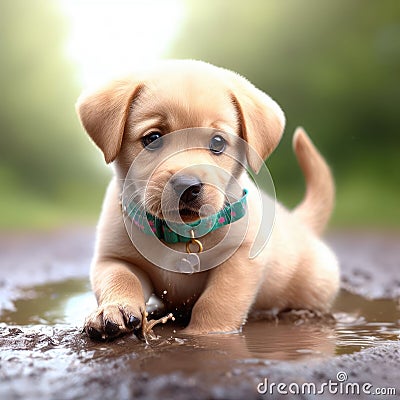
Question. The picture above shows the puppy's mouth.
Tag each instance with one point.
(189, 214)
(181, 212)
(185, 195)
(185, 199)
(185, 213)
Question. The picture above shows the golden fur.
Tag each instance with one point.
(294, 270)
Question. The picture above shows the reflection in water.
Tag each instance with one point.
(65, 302)
(360, 323)
(364, 323)
(289, 341)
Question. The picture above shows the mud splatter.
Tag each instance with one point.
(43, 354)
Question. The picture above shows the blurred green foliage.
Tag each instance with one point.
(47, 174)
(333, 66)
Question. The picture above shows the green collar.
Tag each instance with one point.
(173, 232)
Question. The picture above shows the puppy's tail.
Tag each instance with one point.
(318, 202)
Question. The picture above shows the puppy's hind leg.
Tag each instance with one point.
(316, 282)
(121, 291)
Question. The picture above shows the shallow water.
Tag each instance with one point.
(360, 323)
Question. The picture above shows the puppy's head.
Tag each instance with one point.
(132, 118)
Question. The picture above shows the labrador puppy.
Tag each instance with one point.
(134, 116)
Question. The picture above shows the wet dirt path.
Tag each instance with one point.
(44, 295)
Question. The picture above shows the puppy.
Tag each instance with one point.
(128, 117)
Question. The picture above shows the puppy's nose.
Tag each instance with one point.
(187, 187)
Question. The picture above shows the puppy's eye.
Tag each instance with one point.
(217, 144)
(152, 141)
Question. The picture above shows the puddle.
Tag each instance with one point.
(363, 323)
(360, 323)
(66, 302)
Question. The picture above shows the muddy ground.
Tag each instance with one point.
(56, 361)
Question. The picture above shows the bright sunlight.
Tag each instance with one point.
(109, 38)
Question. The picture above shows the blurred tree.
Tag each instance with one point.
(333, 66)
(42, 149)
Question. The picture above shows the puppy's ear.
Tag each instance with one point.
(262, 120)
(103, 114)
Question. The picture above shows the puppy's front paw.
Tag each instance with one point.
(112, 320)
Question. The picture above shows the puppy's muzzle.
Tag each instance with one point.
(187, 187)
